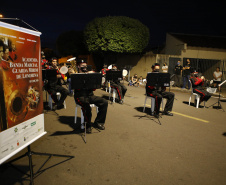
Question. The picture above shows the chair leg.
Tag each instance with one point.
(113, 95)
(152, 104)
(64, 105)
(198, 99)
(144, 103)
(82, 117)
(162, 104)
(50, 102)
(189, 102)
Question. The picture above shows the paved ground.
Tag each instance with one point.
(188, 148)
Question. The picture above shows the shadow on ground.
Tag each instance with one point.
(192, 104)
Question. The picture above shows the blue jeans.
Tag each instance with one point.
(186, 80)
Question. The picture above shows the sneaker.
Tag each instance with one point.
(60, 106)
(99, 126)
(54, 107)
(167, 113)
(121, 102)
(88, 129)
(156, 115)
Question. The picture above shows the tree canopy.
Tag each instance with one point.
(116, 34)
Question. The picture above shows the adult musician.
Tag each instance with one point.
(54, 85)
(197, 83)
(85, 97)
(120, 88)
(103, 72)
(158, 94)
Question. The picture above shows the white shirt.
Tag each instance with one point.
(217, 74)
(165, 69)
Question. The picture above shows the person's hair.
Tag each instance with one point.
(218, 68)
(54, 58)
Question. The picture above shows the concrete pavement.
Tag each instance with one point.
(188, 148)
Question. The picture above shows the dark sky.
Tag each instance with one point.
(54, 17)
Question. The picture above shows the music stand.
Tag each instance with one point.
(218, 101)
(86, 81)
(113, 75)
(158, 80)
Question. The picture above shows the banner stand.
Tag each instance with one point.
(22, 119)
(29, 153)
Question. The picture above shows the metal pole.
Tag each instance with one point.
(30, 164)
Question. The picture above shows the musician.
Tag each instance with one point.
(197, 83)
(44, 62)
(54, 86)
(158, 94)
(120, 88)
(85, 97)
(103, 72)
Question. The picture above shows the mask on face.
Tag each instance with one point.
(156, 70)
(83, 69)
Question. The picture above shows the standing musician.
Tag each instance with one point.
(120, 88)
(158, 94)
(85, 97)
(54, 86)
(197, 83)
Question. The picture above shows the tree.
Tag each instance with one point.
(118, 34)
(71, 43)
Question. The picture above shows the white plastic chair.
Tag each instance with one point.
(152, 103)
(197, 97)
(83, 123)
(82, 116)
(50, 103)
(112, 92)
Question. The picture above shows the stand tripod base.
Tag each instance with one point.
(29, 153)
(217, 107)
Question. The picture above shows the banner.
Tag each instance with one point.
(21, 100)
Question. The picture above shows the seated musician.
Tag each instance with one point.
(85, 97)
(158, 94)
(197, 83)
(120, 88)
(103, 72)
(54, 86)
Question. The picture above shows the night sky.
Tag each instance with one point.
(54, 17)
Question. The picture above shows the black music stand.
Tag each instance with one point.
(113, 75)
(86, 81)
(158, 80)
(219, 106)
